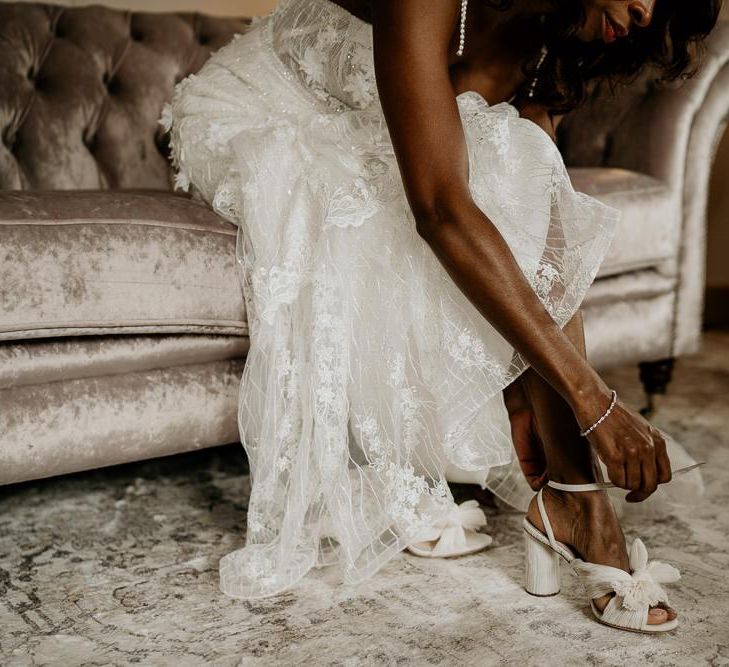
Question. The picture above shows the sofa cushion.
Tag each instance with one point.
(42, 361)
(59, 427)
(648, 232)
(74, 263)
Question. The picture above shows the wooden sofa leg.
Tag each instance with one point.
(655, 376)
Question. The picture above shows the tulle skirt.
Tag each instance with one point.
(370, 374)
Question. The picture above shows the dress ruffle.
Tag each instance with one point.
(369, 371)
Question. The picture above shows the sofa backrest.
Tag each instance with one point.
(81, 90)
(596, 134)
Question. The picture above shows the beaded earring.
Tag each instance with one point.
(542, 57)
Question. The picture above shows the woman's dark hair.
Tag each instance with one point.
(671, 44)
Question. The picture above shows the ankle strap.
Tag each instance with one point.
(598, 486)
(594, 486)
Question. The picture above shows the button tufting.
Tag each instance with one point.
(111, 91)
(112, 85)
(41, 84)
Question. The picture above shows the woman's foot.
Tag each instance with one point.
(586, 522)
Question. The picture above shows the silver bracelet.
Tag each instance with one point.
(613, 401)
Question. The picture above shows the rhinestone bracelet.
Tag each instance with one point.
(613, 401)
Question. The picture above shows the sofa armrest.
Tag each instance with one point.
(647, 127)
(659, 132)
(674, 136)
(671, 133)
(708, 125)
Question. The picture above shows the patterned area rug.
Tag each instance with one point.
(119, 566)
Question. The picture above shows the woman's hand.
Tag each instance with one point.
(633, 451)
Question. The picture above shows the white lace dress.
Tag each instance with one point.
(370, 374)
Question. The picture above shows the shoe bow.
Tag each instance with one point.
(638, 590)
(450, 528)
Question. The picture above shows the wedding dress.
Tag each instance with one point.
(370, 375)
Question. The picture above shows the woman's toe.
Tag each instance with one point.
(656, 616)
(672, 613)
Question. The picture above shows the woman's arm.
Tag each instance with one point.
(411, 42)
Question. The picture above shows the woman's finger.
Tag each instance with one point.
(632, 470)
(616, 474)
(663, 463)
(649, 474)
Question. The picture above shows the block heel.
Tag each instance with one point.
(541, 568)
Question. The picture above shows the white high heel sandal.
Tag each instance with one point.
(635, 593)
(456, 534)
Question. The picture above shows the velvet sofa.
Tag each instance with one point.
(122, 326)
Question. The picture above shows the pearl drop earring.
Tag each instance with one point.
(535, 80)
(462, 34)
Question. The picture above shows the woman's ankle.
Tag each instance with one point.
(584, 520)
(585, 508)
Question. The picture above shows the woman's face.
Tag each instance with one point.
(608, 20)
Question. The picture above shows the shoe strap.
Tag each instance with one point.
(598, 486)
(594, 486)
(545, 520)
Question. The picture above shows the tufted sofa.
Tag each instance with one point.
(122, 327)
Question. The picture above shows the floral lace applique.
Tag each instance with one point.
(351, 206)
(329, 359)
(405, 490)
(371, 439)
(396, 364)
(227, 199)
(545, 279)
(469, 352)
(333, 60)
(359, 85)
(460, 445)
(485, 128)
(312, 65)
(277, 285)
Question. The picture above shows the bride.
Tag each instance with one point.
(413, 258)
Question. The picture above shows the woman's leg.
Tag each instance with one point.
(586, 520)
(567, 454)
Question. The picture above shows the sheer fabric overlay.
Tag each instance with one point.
(369, 371)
